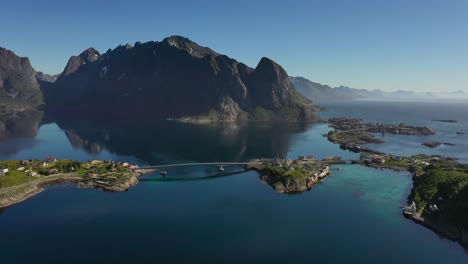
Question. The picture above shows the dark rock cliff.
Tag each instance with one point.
(174, 78)
(18, 84)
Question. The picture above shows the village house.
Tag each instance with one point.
(20, 168)
(32, 173)
(3, 171)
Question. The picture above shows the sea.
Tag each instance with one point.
(198, 215)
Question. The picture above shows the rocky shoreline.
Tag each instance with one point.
(441, 227)
(19, 193)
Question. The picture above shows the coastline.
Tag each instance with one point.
(16, 194)
(450, 232)
(19, 193)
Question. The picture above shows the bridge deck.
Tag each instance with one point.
(194, 164)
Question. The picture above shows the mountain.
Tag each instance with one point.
(175, 78)
(18, 85)
(318, 92)
(46, 78)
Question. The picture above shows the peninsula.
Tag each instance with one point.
(20, 180)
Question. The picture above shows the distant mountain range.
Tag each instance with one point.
(318, 92)
(175, 78)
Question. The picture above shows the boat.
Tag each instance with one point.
(221, 168)
(163, 173)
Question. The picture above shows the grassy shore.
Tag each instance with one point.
(24, 179)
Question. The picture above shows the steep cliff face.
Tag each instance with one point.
(171, 79)
(75, 62)
(18, 84)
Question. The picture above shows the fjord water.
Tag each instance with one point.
(417, 113)
(196, 215)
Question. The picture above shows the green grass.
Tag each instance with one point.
(14, 177)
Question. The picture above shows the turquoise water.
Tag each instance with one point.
(196, 215)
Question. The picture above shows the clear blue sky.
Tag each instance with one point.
(417, 45)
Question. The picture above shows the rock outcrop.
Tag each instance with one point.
(18, 84)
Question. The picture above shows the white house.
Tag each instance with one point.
(3, 172)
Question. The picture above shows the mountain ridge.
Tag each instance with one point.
(319, 93)
(175, 78)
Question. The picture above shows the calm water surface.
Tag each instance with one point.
(196, 215)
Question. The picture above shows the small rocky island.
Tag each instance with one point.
(435, 144)
(351, 133)
(293, 176)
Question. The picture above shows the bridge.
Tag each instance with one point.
(220, 164)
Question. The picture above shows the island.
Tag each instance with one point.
(434, 144)
(293, 176)
(352, 133)
(445, 120)
(21, 179)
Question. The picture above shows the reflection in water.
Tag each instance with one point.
(164, 141)
(176, 179)
(20, 124)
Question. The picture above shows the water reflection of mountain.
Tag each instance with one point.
(18, 124)
(165, 141)
(18, 130)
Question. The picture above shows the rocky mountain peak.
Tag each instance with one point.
(189, 46)
(272, 84)
(87, 56)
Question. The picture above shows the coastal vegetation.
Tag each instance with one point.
(22, 179)
(444, 183)
(291, 176)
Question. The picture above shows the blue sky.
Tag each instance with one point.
(419, 45)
